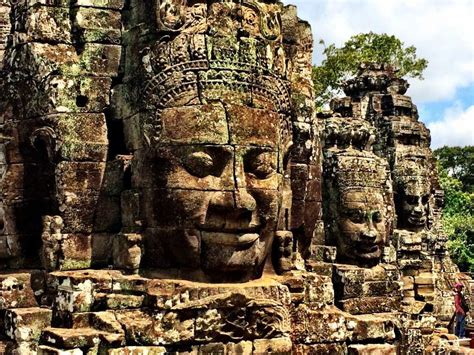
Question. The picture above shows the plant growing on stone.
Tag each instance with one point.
(341, 63)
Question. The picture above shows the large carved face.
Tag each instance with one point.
(212, 189)
(413, 205)
(362, 226)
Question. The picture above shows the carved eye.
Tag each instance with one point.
(412, 200)
(356, 216)
(199, 164)
(262, 166)
(377, 217)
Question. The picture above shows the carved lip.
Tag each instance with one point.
(367, 248)
(231, 239)
(417, 221)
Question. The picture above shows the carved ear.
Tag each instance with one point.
(44, 140)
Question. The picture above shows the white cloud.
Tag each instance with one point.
(441, 30)
(456, 128)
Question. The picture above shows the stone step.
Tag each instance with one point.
(25, 324)
(49, 350)
(16, 290)
(104, 321)
(65, 338)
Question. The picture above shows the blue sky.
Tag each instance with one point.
(441, 30)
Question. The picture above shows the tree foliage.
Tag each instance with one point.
(459, 163)
(458, 213)
(341, 63)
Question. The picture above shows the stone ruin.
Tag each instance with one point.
(168, 187)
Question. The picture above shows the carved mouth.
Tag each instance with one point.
(230, 239)
(368, 250)
(417, 221)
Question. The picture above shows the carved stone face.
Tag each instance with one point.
(362, 228)
(212, 189)
(413, 206)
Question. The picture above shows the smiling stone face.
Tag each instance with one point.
(361, 226)
(212, 189)
(413, 204)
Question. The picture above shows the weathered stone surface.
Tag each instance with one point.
(26, 324)
(368, 305)
(326, 349)
(372, 349)
(138, 350)
(159, 328)
(273, 346)
(97, 25)
(80, 338)
(16, 291)
(244, 347)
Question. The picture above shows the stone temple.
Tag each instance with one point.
(169, 187)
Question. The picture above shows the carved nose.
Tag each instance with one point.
(245, 201)
(369, 234)
(418, 208)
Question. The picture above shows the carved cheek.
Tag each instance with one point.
(350, 230)
(268, 204)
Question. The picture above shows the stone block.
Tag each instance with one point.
(65, 94)
(108, 218)
(323, 269)
(323, 253)
(127, 251)
(16, 291)
(408, 283)
(80, 338)
(138, 350)
(368, 327)
(78, 211)
(425, 278)
(107, 4)
(247, 126)
(348, 281)
(223, 323)
(320, 349)
(372, 349)
(244, 347)
(132, 215)
(159, 328)
(299, 179)
(311, 326)
(95, 59)
(26, 324)
(212, 117)
(118, 301)
(381, 288)
(272, 346)
(97, 25)
(369, 305)
(49, 350)
(116, 175)
(77, 252)
(43, 23)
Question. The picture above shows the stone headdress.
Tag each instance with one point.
(227, 51)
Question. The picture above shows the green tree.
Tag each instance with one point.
(458, 220)
(459, 163)
(341, 63)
